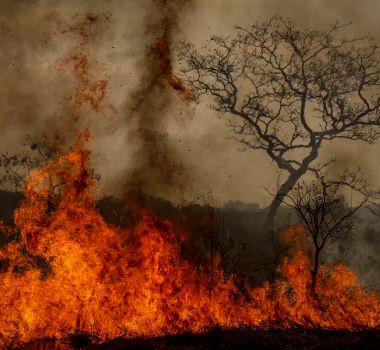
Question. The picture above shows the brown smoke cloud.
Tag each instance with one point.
(25, 100)
(144, 136)
(157, 165)
(52, 80)
(133, 93)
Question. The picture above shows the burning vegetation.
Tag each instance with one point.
(64, 271)
(70, 272)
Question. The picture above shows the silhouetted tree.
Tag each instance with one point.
(220, 255)
(287, 91)
(15, 166)
(325, 212)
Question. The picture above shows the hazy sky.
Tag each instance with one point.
(204, 157)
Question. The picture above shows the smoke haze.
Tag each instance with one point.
(146, 135)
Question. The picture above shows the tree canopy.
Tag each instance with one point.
(289, 90)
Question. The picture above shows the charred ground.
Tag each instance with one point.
(217, 339)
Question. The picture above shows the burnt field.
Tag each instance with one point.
(294, 338)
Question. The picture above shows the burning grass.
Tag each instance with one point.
(113, 283)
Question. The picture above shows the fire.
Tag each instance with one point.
(112, 282)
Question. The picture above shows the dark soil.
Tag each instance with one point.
(291, 339)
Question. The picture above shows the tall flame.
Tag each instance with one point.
(112, 282)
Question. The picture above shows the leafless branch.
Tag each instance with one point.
(289, 90)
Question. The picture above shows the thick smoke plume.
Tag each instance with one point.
(157, 164)
(69, 78)
(56, 71)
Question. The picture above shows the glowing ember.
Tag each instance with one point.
(111, 282)
(162, 49)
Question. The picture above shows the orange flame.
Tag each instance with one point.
(111, 282)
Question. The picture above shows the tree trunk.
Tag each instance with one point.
(273, 208)
(314, 272)
(290, 183)
(282, 192)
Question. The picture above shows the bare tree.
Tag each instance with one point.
(286, 91)
(15, 167)
(325, 212)
(220, 255)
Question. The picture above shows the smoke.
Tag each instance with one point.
(101, 65)
(144, 137)
(25, 99)
(52, 81)
(157, 165)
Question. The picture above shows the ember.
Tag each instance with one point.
(162, 50)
